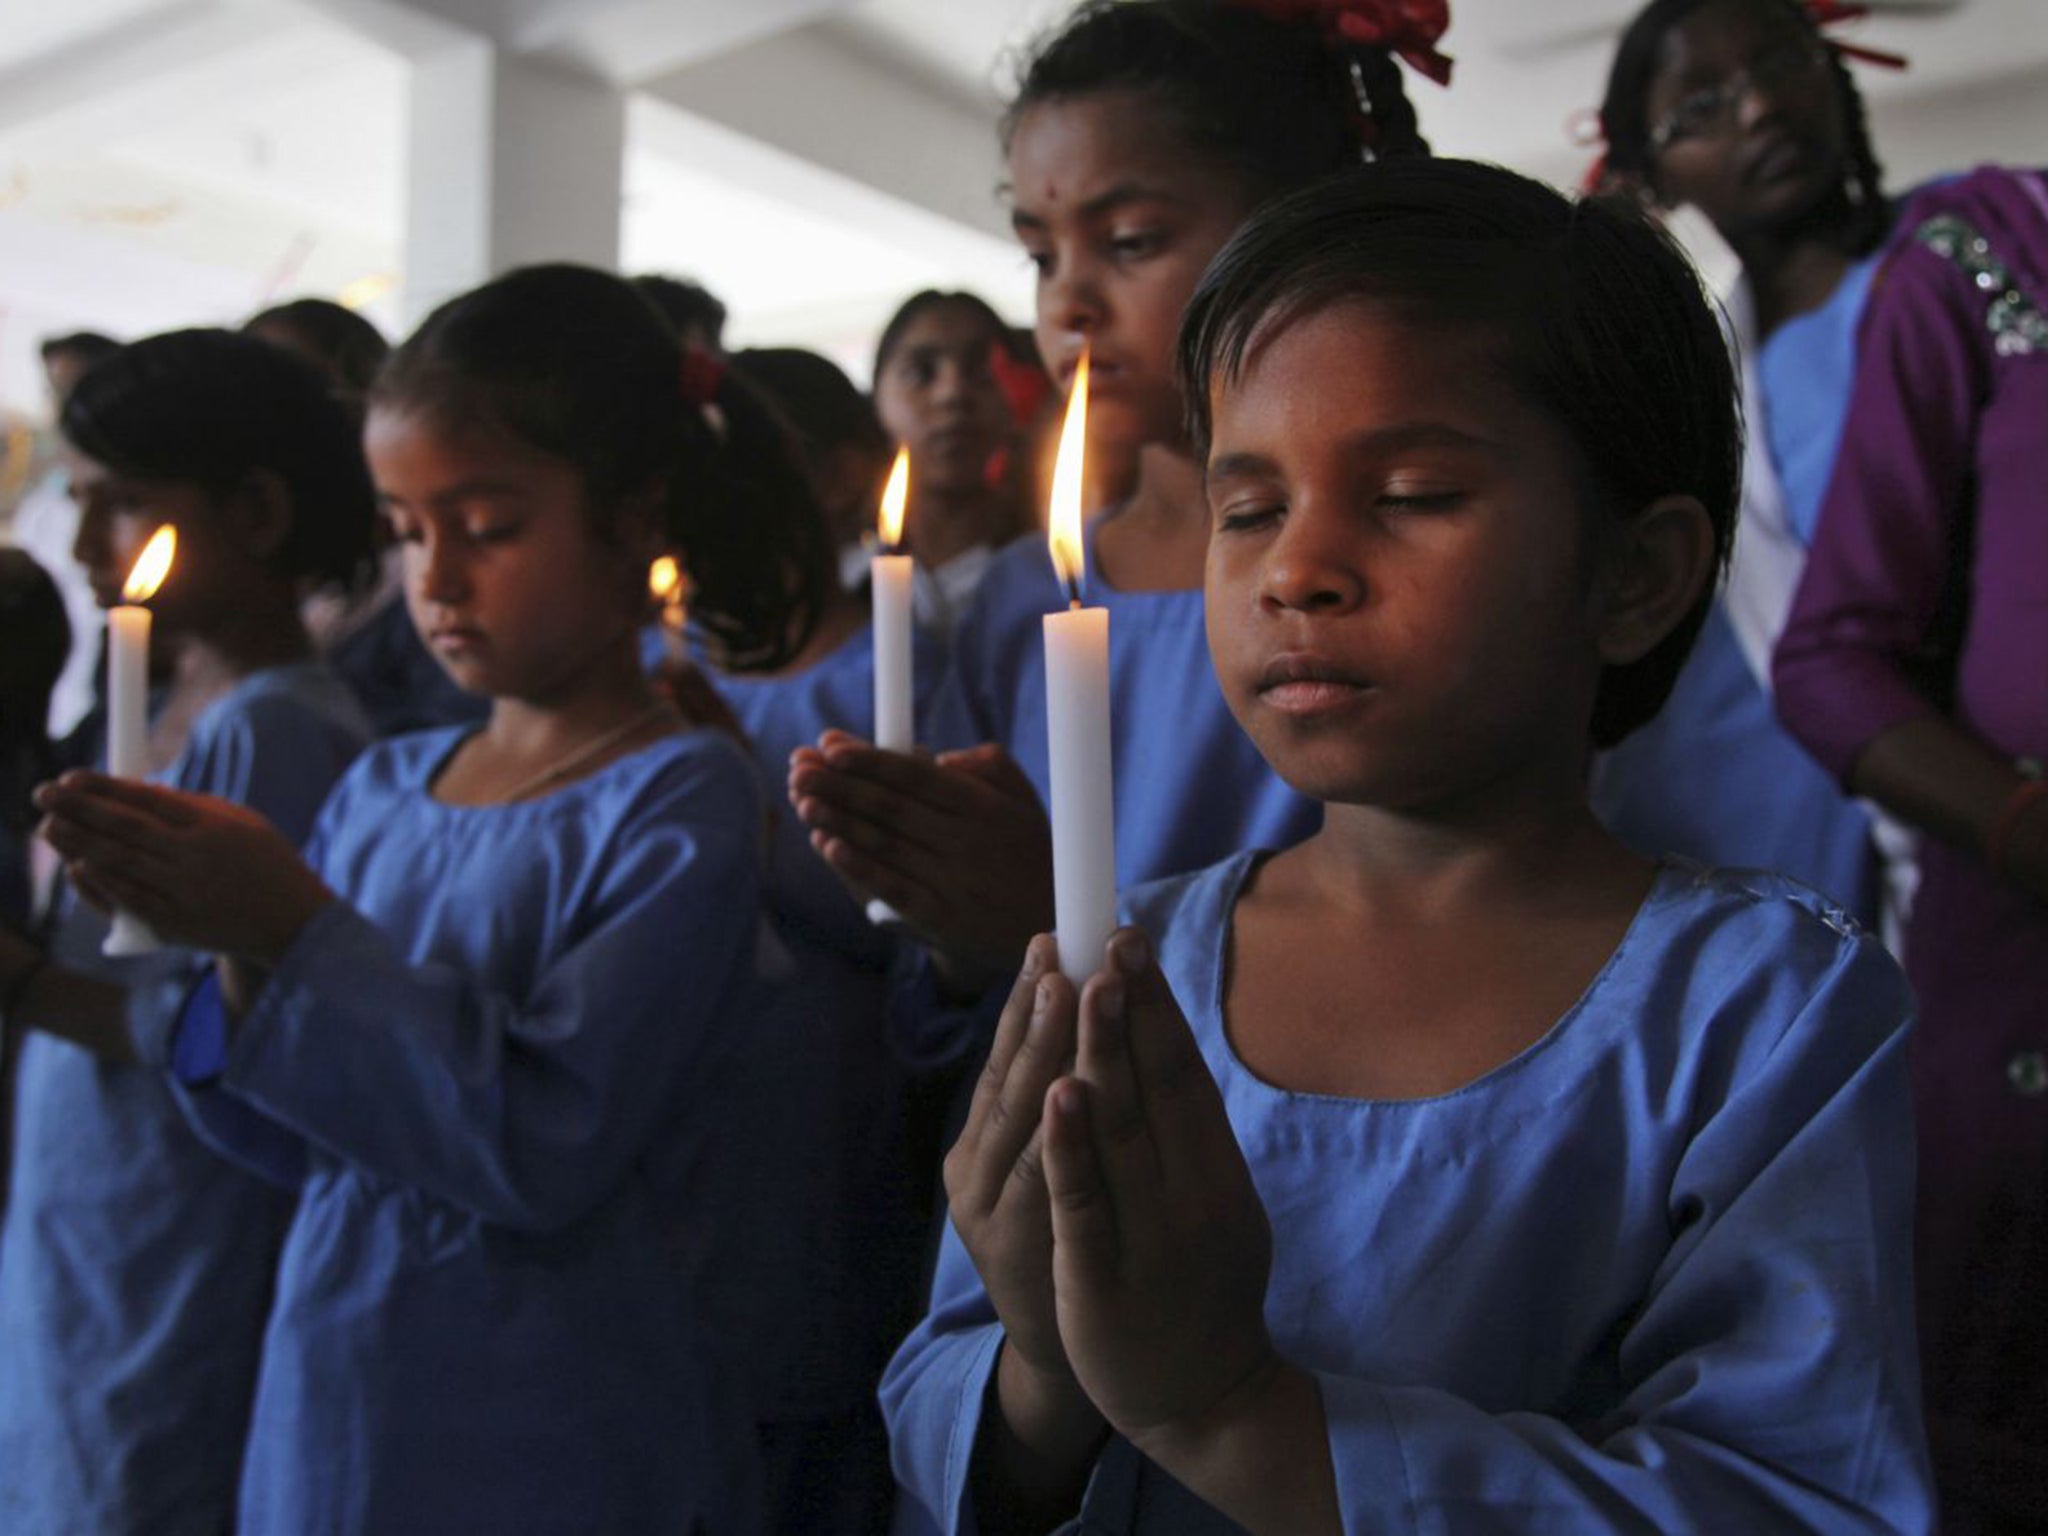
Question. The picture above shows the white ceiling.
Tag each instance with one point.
(167, 161)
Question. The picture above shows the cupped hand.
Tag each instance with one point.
(202, 872)
(958, 845)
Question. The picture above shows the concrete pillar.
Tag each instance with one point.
(509, 161)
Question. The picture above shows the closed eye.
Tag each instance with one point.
(1428, 501)
(1243, 519)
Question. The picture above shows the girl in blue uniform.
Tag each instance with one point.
(938, 392)
(1458, 1169)
(481, 1028)
(1143, 132)
(135, 1270)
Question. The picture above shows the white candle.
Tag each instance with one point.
(890, 575)
(128, 702)
(889, 578)
(1077, 726)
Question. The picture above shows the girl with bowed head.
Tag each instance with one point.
(474, 1029)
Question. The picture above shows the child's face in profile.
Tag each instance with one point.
(505, 579)
(1119, 217)
(1399, 592)
(117, 515)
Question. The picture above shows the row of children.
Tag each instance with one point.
(1421, 1157)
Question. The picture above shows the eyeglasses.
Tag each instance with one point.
(1710, 111)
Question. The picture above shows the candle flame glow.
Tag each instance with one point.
(664, 578)
(151, 566)
(1065, 534)
(895, 499)
(665, 584)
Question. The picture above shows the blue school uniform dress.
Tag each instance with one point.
(1650, 1275)
(827, 1223)
(487, 1069)
(136, 1265)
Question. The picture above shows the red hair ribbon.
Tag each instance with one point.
(1832, 13)
(1408, 29)
(702, 372)
(1024, 385)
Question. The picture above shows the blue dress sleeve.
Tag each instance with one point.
(933, 1393)
(252, 1141)
(267, 751)
(526, 1110)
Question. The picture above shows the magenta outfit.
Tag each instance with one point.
(1926, 594)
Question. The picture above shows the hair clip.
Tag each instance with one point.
(1408, 29)
(1833, 13)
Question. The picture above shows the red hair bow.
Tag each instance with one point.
(1832, 13)
(1408, 29)
(1024, 385)
(702, 373)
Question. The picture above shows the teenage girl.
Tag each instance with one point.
(1746, 110)
(938, 393)
(135, 1268)
(1456, 1169)
(1143, 132)
(481, 1025)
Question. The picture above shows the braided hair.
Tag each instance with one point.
(1281, 101)
(1624, 114)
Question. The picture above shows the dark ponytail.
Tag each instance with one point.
(1625, 113)
(215, 407)
(1279, 100)
(578, 365)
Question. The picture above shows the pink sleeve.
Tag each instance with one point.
(1895, 519)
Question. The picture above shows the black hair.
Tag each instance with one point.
(213, 408)
(923, 303)
(87, 346)
(685, 306)
(1598, 317)
(332, 336)
(35, 642)
(1283, 102)
(1625, 111)
(824, 408)
(578, 364)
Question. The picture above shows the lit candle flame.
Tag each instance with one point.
(151, 566)
(1065, 534)
(895, 499)
(664, 577)
(665, 584)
